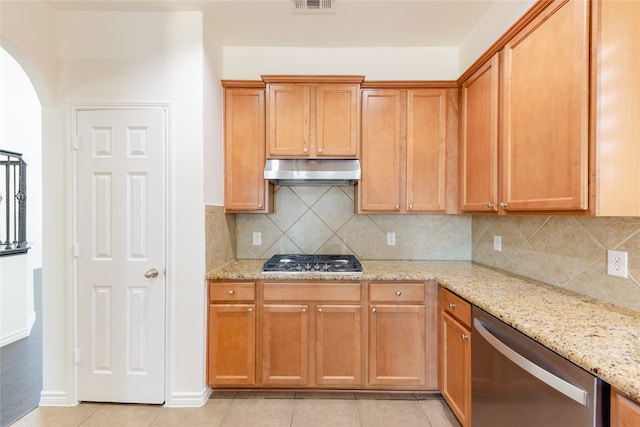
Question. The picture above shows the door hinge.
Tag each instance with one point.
(75, 143)
(75, 249)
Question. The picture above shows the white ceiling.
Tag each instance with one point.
(355, 23)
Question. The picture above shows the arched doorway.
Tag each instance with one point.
(21, 341)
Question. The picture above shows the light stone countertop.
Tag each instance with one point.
(601, 338)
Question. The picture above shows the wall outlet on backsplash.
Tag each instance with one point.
(391, 238)
(257, 238)
(497, 243)
(617, 263)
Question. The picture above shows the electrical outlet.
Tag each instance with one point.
(617, 263)
(391, 238)
(497, 243)
(257, 238)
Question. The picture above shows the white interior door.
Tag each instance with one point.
(120, 255)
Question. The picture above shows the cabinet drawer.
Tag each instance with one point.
(396, 292)
(232, 291)
(456, 306)
(316, 292)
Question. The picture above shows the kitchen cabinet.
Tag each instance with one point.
(407, 136)
(231, 334)
(245, 189)
(479, 110)
(545, 112)
(313, 116)
(624, 412)
(399, 333)
(455, 354)
(541, 101)
(312, 334)
(567, 134)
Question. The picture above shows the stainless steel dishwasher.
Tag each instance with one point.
(519, 382)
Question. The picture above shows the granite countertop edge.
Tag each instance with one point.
(602, 338)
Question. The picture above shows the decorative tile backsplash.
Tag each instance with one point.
(321, 220)
(570, 252)
(565, 251)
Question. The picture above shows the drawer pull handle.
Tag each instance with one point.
(398, 293)
(452, 305)
(231, 292)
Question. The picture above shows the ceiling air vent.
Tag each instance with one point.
(313, 6)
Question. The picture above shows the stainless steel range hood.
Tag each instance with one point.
(312, 171)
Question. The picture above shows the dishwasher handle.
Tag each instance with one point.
(575, 393)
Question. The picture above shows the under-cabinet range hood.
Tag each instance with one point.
(312, 171)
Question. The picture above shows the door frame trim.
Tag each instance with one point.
(71, 226)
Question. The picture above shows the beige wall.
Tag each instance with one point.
(570, 252)
(321, 219)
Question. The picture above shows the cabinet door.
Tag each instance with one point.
(285, 344)
(397, 345)
(455, 367)
(426, 150)
(337, 124)
(546, 105)
(245, 188)
(338, 352)
(288, 130)
(383, 121)
(479, 146)
(231, 346)
(624, 412)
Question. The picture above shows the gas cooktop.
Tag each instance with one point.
(314, 264)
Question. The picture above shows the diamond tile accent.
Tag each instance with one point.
(335, 208)
(309, 233)
(285, 218)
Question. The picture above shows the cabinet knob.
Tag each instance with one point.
(398, 293)
(231, 292)
(250, 310)
(260, 205)
(464, 337)
(304, 150)
(319, 309)
(490, 205)
(304, 310)
(319, 150)
(503, 205)
(397, 206)
(410, 206)
(452, 305)
(373, 310)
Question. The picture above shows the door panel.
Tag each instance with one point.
(119, 242)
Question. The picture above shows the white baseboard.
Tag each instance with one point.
(55, 398)
(188, 400)
(22, 333)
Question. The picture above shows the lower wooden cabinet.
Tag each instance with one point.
(624, 412)
(397, 345)
(318, 335)
(455, 354)
(231, 358)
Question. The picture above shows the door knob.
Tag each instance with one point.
(152, 273)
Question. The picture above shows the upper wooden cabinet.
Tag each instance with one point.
(545, 112)
(245, 189)
(313, 116)
(568, 130)
(479, 111)
(405, 149)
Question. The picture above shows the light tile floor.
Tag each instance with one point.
(257, 409)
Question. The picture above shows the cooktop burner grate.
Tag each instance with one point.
(316, 264)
